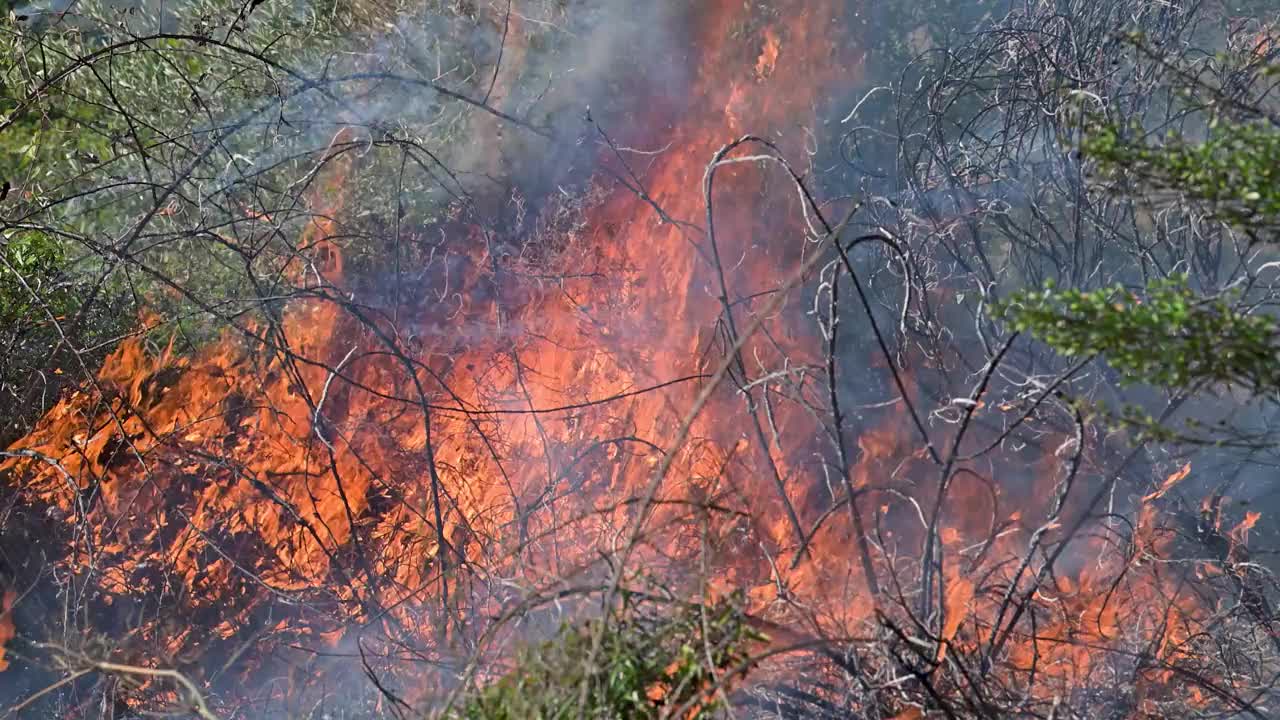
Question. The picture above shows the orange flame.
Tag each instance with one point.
(7, 628)
(768, 59)
(1173, 479)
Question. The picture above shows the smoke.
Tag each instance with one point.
(509, 94)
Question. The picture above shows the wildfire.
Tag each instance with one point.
(319, 465)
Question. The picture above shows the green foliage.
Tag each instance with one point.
(653, 658)
(172, 146)
(1229, 159)
(1171, 337)
(1236, 170)
(32, 263)
(1226, 163)
(35, 362)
